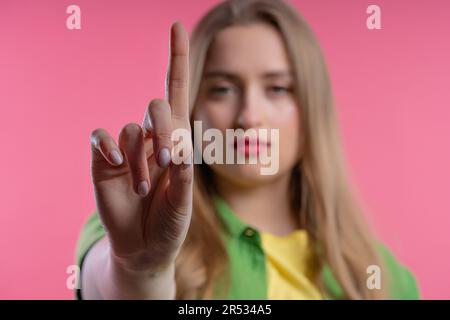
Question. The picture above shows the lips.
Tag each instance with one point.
(250, 146)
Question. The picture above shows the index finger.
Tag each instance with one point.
(177, 89)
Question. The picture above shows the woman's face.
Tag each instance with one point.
(248, 84)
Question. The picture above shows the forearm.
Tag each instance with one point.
(104, 278)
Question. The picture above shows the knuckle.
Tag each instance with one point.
(178, 83)
(130, 129)
(186, 177)
(158, 109)
(181, 119)
(165, 136)
(139, 169)
(156, 103)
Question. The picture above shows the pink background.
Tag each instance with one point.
(56, 85)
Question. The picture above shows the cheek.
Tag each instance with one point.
(291, 133)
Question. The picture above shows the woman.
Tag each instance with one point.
(164, 230)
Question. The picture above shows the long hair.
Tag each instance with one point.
(321, 194)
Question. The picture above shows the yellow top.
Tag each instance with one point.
(289, 263)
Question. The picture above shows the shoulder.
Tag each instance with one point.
(402, 283)
(91, 232)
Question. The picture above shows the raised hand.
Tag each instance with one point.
(143, 198)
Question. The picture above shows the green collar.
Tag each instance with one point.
(237, 228)
(233, 224)
(402, 286)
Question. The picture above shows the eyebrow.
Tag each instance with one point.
(232, 76)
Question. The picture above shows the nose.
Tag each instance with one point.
(250, 112)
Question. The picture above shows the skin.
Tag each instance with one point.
(140, 192)
(145, 201)
(248, 83)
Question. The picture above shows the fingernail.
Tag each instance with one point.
(116, 157)
(147, 123)
(143, 188)
(164, 157)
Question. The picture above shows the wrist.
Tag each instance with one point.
(138, 282)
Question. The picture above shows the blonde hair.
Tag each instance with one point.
(321, 194)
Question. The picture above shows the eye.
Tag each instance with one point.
(279, 90)
(220, 90)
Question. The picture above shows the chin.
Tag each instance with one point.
(244, 175)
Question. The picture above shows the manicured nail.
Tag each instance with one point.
(143, 188)
(116, 157)
(164, 157)
(147, 123)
